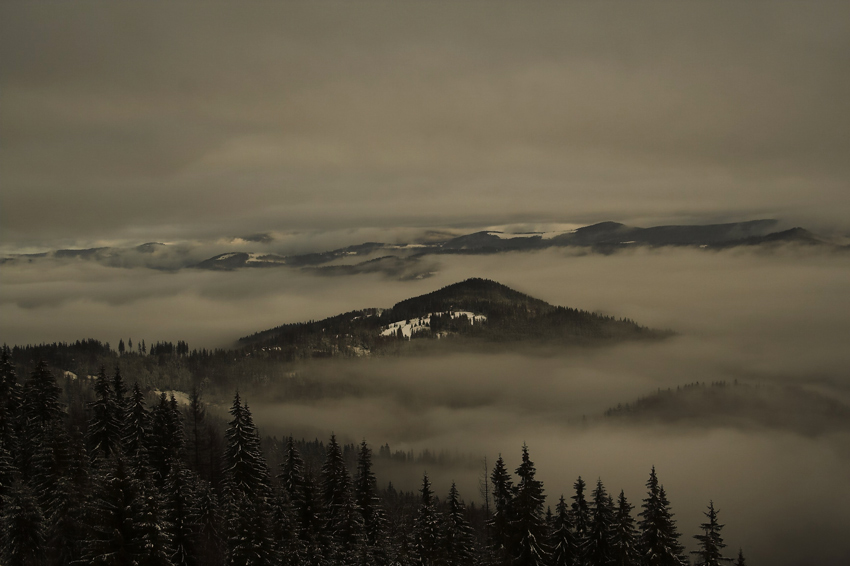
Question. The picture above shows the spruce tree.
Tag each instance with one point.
(624, 540)
(41, 395)
(426, 530)
(245, 469)
(336, 485)
(528, 523)
(458, 534)
(50, 478)
(294, 485)
(197, 414)
(104, 425)
(740, 561)
(166, 439)
(343, 522)
(8, 472)
(10, 401)
(119, 390)
(153, 532)
(366, 497)
(659, 540)
(581, 513)
(672, 531)
(114, 535)
(175, 426)
(311, 513)
(48, 464)
(22, 536)
(180, 512)
(349, 539)
(160, 447)
(292, 471)
(248, 492)
(210, 543)
(67, 521)
(178, 432)
(502, 540)
(287, 544)
(562, 542)
(710, 542)
(250, 543)
(597, 545)
(136, 426)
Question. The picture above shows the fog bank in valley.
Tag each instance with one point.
(782, 494)
(775, 313)
(775, 319)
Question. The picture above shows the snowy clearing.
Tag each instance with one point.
(422, 323)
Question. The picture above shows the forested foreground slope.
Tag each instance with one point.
(113, 481)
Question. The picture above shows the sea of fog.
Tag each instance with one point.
(780, 317)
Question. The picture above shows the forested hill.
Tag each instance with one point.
(480, 309)
(481, 296)
(739, 405)
(473, 315)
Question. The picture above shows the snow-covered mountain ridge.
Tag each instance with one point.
(409, 260)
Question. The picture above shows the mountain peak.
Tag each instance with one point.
(474, 308)
(474, 294)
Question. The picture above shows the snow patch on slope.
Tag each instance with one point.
(423, 323)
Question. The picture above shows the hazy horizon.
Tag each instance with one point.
(139, 123)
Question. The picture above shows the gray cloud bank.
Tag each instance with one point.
(773, 320)
(129, 122)
(778, 318)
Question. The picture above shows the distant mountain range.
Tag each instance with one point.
(605, 237)
(411, 261)
(475, 311)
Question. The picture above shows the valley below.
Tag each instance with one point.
(765, 430)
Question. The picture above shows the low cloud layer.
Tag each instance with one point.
(773, 318)
(783, 312)
(769, 483)
(735, 300)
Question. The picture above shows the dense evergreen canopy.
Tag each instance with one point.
(100, 479)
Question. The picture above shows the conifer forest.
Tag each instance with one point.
(131, 479)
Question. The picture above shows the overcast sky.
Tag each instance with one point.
(137, 122)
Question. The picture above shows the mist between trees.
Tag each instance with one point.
(772, 321)
(111, 482)
(555, 403)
